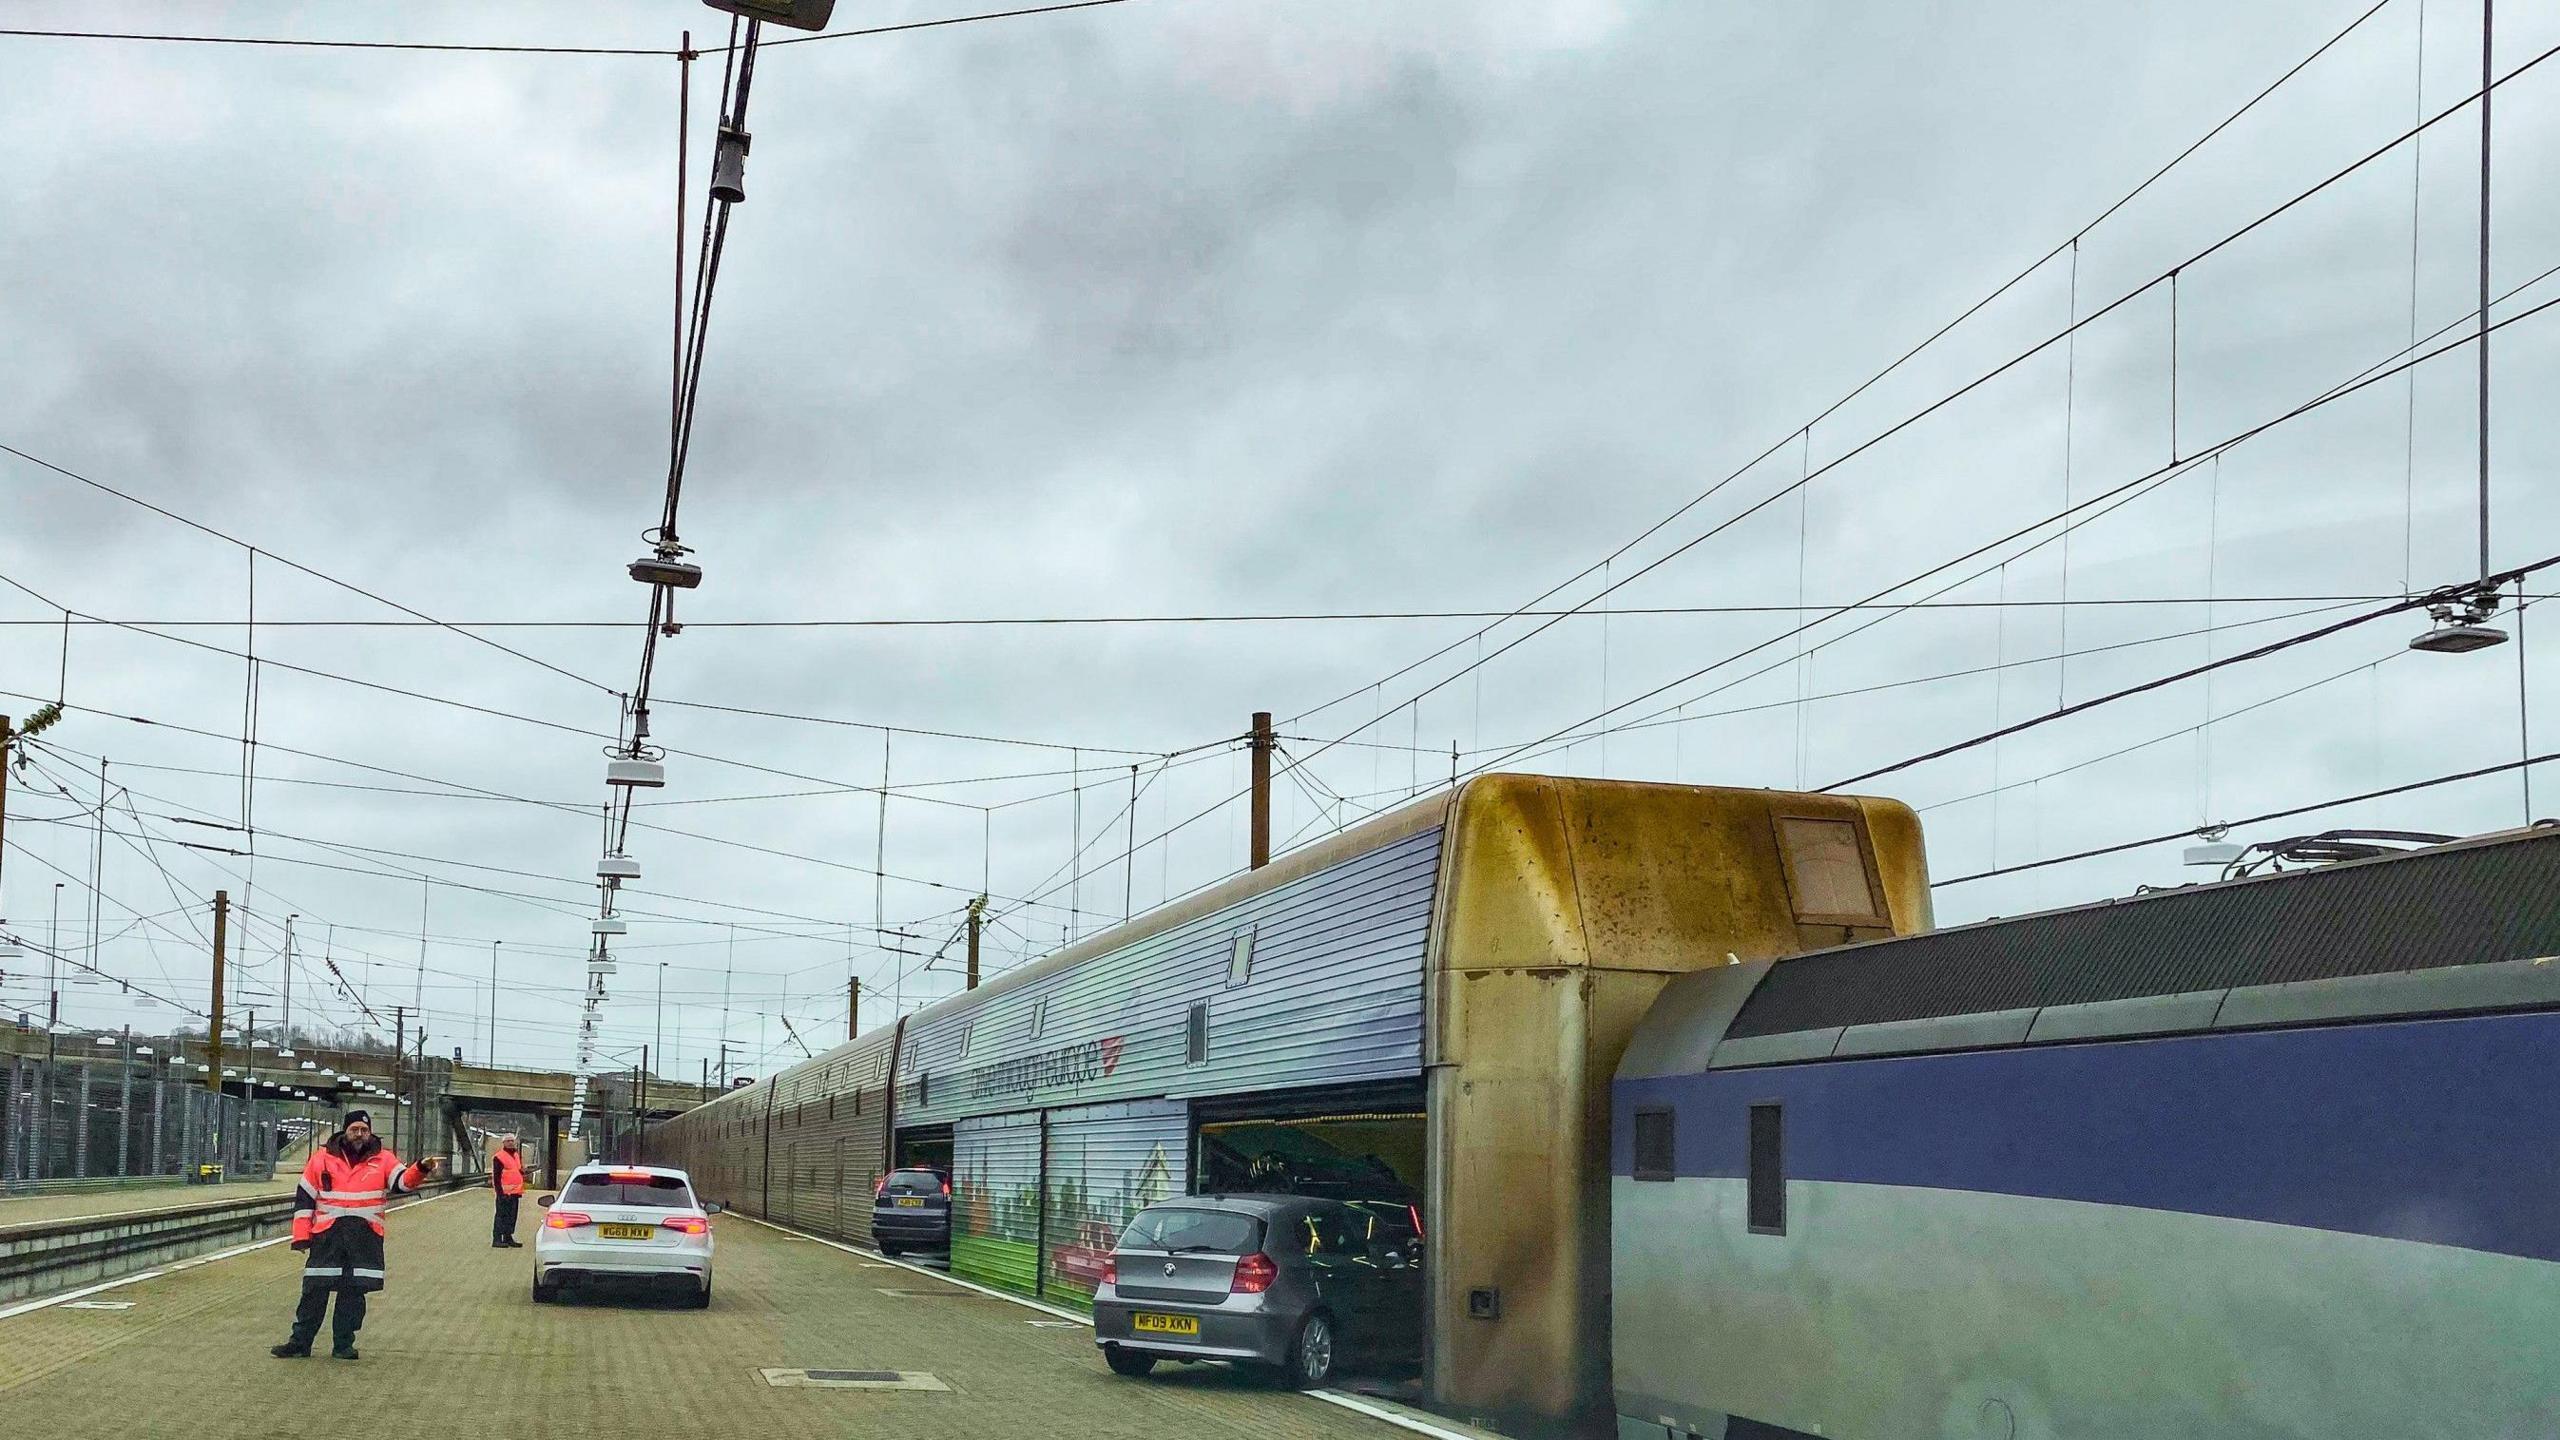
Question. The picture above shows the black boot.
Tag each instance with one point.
(291, 1350)
(343, 1350)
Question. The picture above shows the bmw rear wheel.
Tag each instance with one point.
(1127, 1362)
(544, 1294)
(1309, 1364)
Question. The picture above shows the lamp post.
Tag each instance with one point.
(490, 1053)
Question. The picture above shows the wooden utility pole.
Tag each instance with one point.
(977, 923)
(5, 733)
(853, 1007)
(213, 1032)
(1263, 744)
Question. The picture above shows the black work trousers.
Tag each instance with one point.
(315, 1300)
(502, 1226)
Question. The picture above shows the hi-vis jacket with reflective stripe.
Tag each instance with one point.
(335, 1188)
(506, 1170)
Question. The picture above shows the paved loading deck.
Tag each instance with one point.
(456, 1339)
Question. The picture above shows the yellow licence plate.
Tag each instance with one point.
(627, 1232)
(1146, 1324)
(910, 1202)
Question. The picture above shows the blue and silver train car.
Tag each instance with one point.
(2278, 1157)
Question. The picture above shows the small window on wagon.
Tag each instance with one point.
(1655, 1145)
(662, 1192)
(1768, 1170)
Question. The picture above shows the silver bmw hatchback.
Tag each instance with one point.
(1291, 1286)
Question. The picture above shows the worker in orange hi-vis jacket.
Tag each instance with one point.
(506, 1176)
(337, 1224)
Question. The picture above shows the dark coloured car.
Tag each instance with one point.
(1293, 1287)
(911, 1212)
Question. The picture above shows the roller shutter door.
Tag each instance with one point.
(866, 1139)
(1106, 1163)
(995, 1201)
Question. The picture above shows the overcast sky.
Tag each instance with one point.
(1179, 307)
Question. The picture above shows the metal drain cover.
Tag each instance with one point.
(874, 1375)
(851, 1379)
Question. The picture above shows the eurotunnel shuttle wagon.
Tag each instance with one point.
(1425, 1009)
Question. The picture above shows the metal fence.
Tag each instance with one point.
(85, 1119)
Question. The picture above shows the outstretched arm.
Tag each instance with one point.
(407, 1181)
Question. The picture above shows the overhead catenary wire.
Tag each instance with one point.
(1902, 359)
(2111, 501)
(2287, 813)
(300, 568)
(2228, 239)
(2104, 602)
(1680, 716)
(492, 48)
(582, 811)
(518, 717)
(2150, 478)
(2261, 652)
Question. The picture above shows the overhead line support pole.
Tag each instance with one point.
(213, 1030)
(977, 924)
(5, 734)
(1262, 742)
(2488, 85)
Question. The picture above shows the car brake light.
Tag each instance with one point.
(689, 1224)
(1254, 1274)
(567, 1220)
(880, 1189)
(630, 1177)
(1110, 1269)
(1415, 1211)
(946, 1188)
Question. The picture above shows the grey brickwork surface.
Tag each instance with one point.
(456, 1342)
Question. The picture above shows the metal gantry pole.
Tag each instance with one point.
(124, 1109)
(2488, 83)
(490, 1050)
(80, 1119)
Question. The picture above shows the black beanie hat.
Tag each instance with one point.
(355, 1115)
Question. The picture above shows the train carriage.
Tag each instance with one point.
(1424, 1009)
(2269, 1158)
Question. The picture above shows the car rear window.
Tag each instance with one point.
(664, 1192)
(1221, 1232)
(914, 1182)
